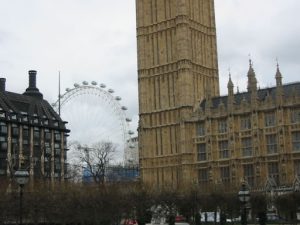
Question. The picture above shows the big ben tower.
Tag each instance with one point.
(177, 67)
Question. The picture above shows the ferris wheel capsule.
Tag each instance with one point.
(131, 146)
(94, 83)
(130, 132)
(111, 91)
(102, 85)
(128, 120)
(124, 108)
(68, 89)
(118, 98)
(76, 85)
(85, 83)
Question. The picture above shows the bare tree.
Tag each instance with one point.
(96, 158)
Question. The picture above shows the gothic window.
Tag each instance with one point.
(222, 126)
(201, 152)
(223, 149)
(247, 147)
(203, 176)
(271, 142)
(270, 119)
(245, 122)
(200, 128)
(273, 171)
(296, 141)
(295, 116)
(249, 174)
(225, 174)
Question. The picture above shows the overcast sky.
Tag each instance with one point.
(95, 40)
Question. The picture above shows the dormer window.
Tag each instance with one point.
(13, 117)
(2, 114)
(55, 123)
(24, 118)
(46, 122)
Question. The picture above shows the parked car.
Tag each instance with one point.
(130, 222)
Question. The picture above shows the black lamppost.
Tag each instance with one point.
(22, 177)
(244, 197)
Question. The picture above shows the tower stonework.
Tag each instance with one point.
(177, 68)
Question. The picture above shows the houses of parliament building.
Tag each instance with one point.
(190, 134)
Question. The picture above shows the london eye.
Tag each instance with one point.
(95, 113)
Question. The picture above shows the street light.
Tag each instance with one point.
(244, 197)
(22, 178)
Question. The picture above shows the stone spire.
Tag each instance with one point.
(278, 76)
(230, 86)
(279, 88)
(252, 82)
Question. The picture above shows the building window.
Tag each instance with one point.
(295, 116)
(296, 141)
(223, 150)
(47, 135)
(270, 119)
(247, 147)
(202, 152)
(249, 174)
(222, 126)
(3, 128)
(57, 137)
(200, 128)
(245, 123)
(36, 135)
(297, 167)
(273, 171)
(14, 130)
(271, 142)
(225, 174)
(2, 114)
(3, 144)
(47, 148)
(57, 166)
(203, 176)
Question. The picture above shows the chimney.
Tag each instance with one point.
(2, 84)
(32, 78)
(32, 90)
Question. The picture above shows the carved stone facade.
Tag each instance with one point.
(177, 59)
(187, 132)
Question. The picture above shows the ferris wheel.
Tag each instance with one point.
(95, 114)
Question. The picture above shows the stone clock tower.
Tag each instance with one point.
(177, 67)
